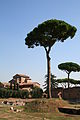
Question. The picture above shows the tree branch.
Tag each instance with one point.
(47, 49)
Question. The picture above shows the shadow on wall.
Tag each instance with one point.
(68, 94)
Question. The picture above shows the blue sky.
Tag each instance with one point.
(17, 18)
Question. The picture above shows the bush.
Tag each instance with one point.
(36, 92)
(6, 93)
(23, 94)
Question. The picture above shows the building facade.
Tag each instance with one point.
(23, 82)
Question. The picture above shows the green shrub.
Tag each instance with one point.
(24, 93)
(6, 93)
(36, 92)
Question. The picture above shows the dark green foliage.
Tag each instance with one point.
(1, 85)
(36, 92)
(15, 94)
(50, 31)
(11, 86)
(20, 94)
(65, 80)
(72, 81)
(69, 67)
(6, 93)
(24, 94)
(14, 86)
(17, 86)
(54, 83)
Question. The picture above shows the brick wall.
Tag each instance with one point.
(71, 93)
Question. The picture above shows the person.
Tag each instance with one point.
(59, 95)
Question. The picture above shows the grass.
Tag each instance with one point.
(50, 112)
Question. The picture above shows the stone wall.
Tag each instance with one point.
(71, 93)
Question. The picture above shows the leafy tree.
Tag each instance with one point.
(46, 35)
(64, 82)
(69, 67)
(17, 86)
(14, 86)
(75, 82)
(23, 93)
(6, 93)
(54, 83)
(36, 92)
(1, 85)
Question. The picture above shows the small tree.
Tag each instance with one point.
(46, 35)
(69, 67)
(17, 86)
(64, 81)
(1, 85)
(54, 83)
(36, 92)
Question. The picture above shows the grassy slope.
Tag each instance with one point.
(49, 112)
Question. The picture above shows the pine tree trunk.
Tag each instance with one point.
(48, 72)
(49, 76)
(68, 86)
(68, 80)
